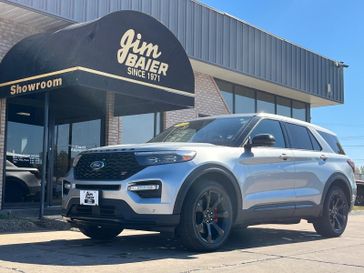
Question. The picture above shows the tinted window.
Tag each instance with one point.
(316, 145)
(333, 142)
(272, 127)
(299, 136)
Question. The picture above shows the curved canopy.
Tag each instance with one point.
(126, 52)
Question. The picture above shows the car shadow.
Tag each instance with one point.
(139, 248)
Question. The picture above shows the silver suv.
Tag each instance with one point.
(201, 178)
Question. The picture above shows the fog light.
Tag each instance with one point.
(143, 188)
(146, 189)
(66, 187)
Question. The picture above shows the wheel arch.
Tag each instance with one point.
(18, 181)
(217, 173)
(340, 180)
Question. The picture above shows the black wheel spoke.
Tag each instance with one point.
(219, 230)
(209, 233)
(337, 223)
(223, 214)
(199, 207)
(217, 202)
(340, 217)
(200, 228)
(208, 199)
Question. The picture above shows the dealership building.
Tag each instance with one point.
(135, 68)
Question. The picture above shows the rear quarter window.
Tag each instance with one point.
(333, 142)
(299, 136)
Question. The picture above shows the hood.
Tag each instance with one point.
(157, 146)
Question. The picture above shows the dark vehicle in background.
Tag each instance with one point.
(22, 181)
(360, 194)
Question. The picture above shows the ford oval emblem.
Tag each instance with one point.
(97, 165)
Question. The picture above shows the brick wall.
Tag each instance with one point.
(208, 102)
(112, 124)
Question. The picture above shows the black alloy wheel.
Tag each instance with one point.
(212, 216)
(337, 212)
(207, 217)
(334, 218)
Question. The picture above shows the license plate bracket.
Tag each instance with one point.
(89, 198)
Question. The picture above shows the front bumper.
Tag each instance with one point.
(116, 212)
(123, 207)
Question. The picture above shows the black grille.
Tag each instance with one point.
(93, 211)
(117, 166)
(98, 187)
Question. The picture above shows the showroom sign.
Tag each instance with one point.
(127, 52)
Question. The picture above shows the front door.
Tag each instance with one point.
(269, 174)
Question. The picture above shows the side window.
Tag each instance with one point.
(333, 142)
(299, 136)
(316, 145)
(273, 127)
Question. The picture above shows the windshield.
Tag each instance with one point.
(218, 131)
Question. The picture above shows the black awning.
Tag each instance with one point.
(126, 52)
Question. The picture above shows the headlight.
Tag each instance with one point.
(75, 160)
(163, 157)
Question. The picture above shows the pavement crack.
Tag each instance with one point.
(308, 259)
(12, 269)
(230, 265)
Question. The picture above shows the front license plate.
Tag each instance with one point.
(89, 198)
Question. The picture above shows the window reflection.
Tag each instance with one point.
(244, 100)
(265, 103)
(227, 93)
(23, 162)
(299, 110)
(139, 128)
(283, 106)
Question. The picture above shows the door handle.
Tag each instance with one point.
(323, 157)
(283, 156)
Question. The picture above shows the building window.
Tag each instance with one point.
(227, 93)
(299, 110)
(265, 103)
(283, 106)
(139, 128)
(242, 99)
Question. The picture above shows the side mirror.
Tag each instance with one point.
(260, 140)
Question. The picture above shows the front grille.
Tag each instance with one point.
(117, 166)
(98, 187)
(93, 211)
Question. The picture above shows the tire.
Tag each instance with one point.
(100, 232)
(207, 217)
(334, 218)
(14, 191)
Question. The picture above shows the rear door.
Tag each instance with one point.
(310, 174)
(268, 174)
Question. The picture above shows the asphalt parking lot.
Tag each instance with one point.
(269, 248)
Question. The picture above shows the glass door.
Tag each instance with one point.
(69, 140)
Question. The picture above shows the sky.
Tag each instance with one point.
(332, 28)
